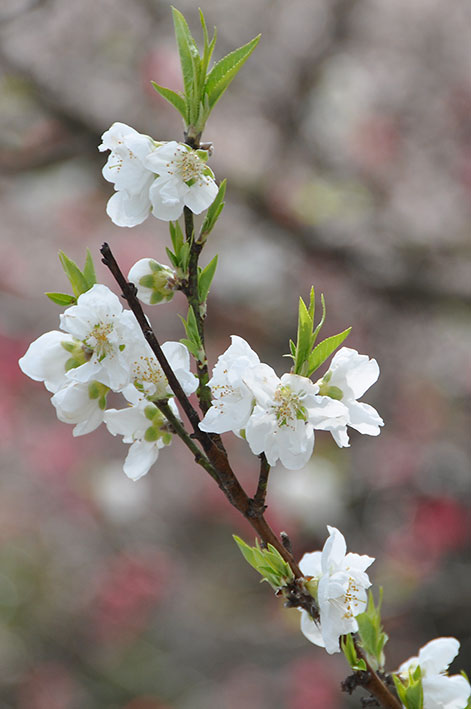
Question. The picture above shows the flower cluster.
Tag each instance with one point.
(148, 176)
(338, 582)
(102, 349)
(278, 416)
(439, 690)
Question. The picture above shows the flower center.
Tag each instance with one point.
(148, 372)
(98, 341)
(187, 165)
(288, 408)
(351, 600)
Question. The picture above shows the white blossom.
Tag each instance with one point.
(99, 322)
(155, 282)
(45, 359)
(440, 690)
(82, 404)
(286, 412)
(144, 427)
(349, 376)
(183, 179)
(147, 376)
(341, 591)
(232, 400)
(130, 205)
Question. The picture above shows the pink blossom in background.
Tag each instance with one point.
(129, 589)
(48, 686)
(312, 684)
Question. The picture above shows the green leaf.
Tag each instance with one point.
(303, 343)
(324, 349)
(176, 235)
(205, 279)
(74, 274)
(193, 342)
(172, 257)
(176, 100)
(351, 655)
(322, 321)
(89, 270)
(213, 213)
(62, 298)
(208, 48)
(190, 63)
(226, 69)
(268, 562)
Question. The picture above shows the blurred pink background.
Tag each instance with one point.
(346, 142)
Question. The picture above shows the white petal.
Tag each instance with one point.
(160, 159)
(140, 458)
(353, 372)
(311, 563)
(201, 195)
(167, 200)
(74, 405)
(364, 418)
(442, 692)
(130, 423)
(438, 654)
(357, 562)
(311, 629)
(334, 550)
(114, 136)
(128, 211)
(263, 382)
(45, 359)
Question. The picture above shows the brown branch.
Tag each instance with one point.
(258, 505)
(217, 456)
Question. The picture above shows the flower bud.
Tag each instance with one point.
(155, 282)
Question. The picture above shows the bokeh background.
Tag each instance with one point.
(346, 142)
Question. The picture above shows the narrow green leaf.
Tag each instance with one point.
(176, 100)
(192, 348)
(322, 321)
(292, 349)
(205, 279)
(176, 235)
(303, 343)
(226, 69)
(214, 211)
(246, 551)
(172, 257)
(62, 298)
(89, 270)
(189, 59)
(74, 274)
(324, 349)
(312, 303)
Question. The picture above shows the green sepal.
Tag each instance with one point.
(225, 70)
(62, 298)
(372, 637)
(410, 691)
(349, 650)
(205, 278)
(151, 434)
(176, 100)
(324, 349)
(213, 212)
(267, 561)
